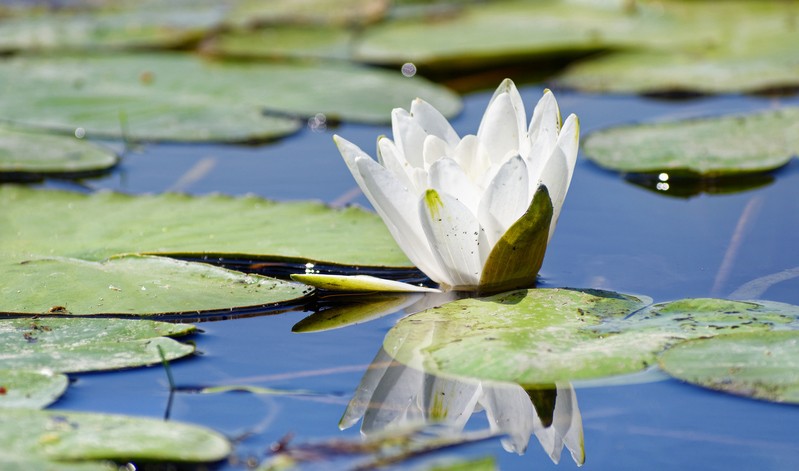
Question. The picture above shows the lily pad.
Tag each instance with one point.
(55, 436)
(95, 227)
(307, 12)
(30, 389)
(708, 147)
(762, 365)
(283, 42)
(119, 24)
(549, 335)
(80, 344)
(178, 97)
(652, 72)
(133, 285)
(28, 154)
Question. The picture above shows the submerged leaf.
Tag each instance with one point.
(762, 365)
(709, 147)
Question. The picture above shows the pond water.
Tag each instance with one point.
(612, 235)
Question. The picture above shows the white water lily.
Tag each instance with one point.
(473, 212)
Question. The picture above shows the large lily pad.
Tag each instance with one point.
(183, 98)
(709, 147)
(94, 227)
(24, 153)
(79, 345)
(763, 365)
(284, 42)
(30, 389)
(55, 436)
(63, 267)
(548, 335)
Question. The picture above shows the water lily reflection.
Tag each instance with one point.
(475, 212)
(392, 396)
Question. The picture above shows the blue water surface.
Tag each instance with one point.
(612, 235)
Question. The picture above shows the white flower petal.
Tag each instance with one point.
(434, 148)
(498, 131)
(392, 159)
(350, 152)
(555, 176)
(454, 236)
(472, 157)
(449, 401)
(505, 199)
(408, 136)
(446, 176)
(543, 134)
(510, 412)
(433, 122)
(569, 141)
(397, 206)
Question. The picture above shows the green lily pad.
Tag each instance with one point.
(30, 389)
(81, 344)
(24, 153)
(709, 147)
(711, 47)
(284, 42)
(307, 12)
(762, 365)
(95, 227)
(717, 71)
(45, 266)
(549, 335)
(55, 436)
(119, 24)
(179, 97)
(25, 463)
(134, 285)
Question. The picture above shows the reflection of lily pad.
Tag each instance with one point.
(138, 285)
(29, 389)
(77, 345)
(709, 147)
(548, 335)
(70, 436)
(24, 153)
(181, 97)
(760, 365)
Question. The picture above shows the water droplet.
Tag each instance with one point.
(662, 186)
(408, 69)
(80, 133)
(664, 177)
(318, 122)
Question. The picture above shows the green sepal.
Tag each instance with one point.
(518, 255)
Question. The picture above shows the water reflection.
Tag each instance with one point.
(666, 184)
(393, 396)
